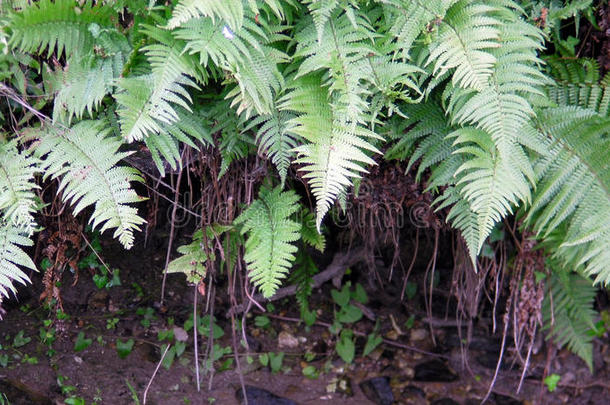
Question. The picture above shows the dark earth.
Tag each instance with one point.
(408, 369)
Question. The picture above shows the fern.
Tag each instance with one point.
(334, 151)
(84, 159)
(188, 128)
(274, 140)
(246, 54)
(147, 102)
(574, 179)
(12, 256)
(230, 11)
(65, 26)
(568, 314)
(271, 233)
(17, 198)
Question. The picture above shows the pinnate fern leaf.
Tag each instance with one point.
(270, 239)
(12, 257)
(17, 198)
(65, 26)
(568, 313)
(85, 159)
(334, 152)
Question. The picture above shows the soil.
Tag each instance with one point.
(97, 374)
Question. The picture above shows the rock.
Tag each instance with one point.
(413, 395)
(341, 385)
(180, 334)
(445, 401)
(434, 371)
(285, 340)
(419, 334)
(259, 396)
(378, 390)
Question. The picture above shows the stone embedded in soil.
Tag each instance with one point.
(259, 396)
(378, 390)
(434, 371)
(419, 334)
(340, 385)
(412, 395)
(286, 340)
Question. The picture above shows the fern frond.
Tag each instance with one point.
(309, 232)
(335, 150)
(271, 233)
(574, 188)
(84, 158)
(147, 102)
(274, 140)
(230, 11)
(408, 19)
(247, 55)
(63, 25)
(344, 50)
(12, 256)
(190, 127)
(568, 313)
(502, 108)
(490, 181)
(469, 30)
(17, 198)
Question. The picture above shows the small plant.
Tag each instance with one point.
(111, 323)
(134, 394)
(81, 342)
(551, 382)
(123, 349)
(310, 372)
(174, 351)
(148, 314)
(47, 335)
(20, 340)
(346, 349)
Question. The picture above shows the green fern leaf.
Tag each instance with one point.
(67, 26)
(190, 127)
(469, 30)
(17, 198)
(12, 257)
(230, 11)
(84, 158)
(147, 102)
(573, 188)
(271, 233)
(274, 140)
(568, 314)
(335, 150)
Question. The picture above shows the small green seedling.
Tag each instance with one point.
(346, 349)
(551, 382)
(81, 342)
(123, 349)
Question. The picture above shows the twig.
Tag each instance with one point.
(154, 374)
(195, 340)
(171, 230)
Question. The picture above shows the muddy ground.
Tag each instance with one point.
(46, 360)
